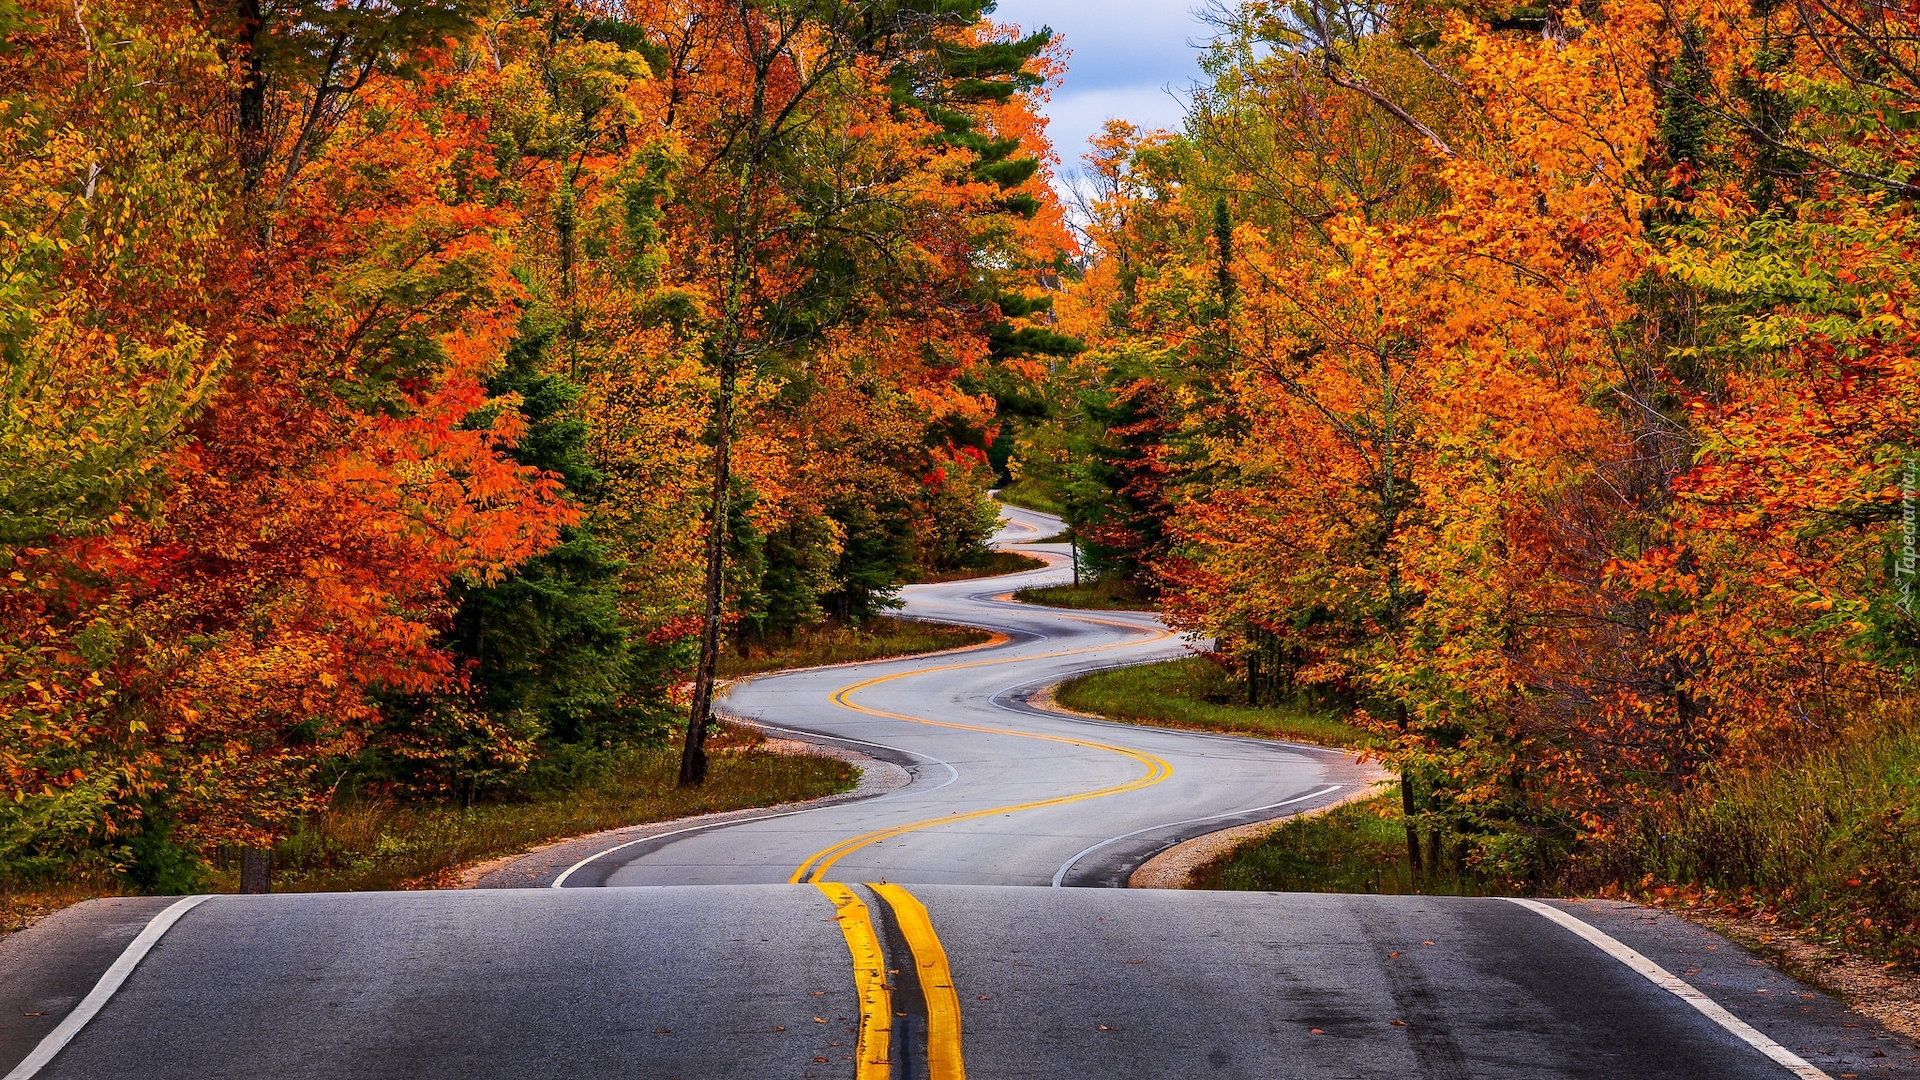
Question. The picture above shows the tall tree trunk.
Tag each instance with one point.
(1406, 801)
(256, 871)
(252, 104)
(1413, 831)
(693, 755)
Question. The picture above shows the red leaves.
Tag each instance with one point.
(316, 511)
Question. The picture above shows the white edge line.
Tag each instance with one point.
(1061, 874)
(953, 774)
(561, 881)
(89, 1006)
(1674, 985)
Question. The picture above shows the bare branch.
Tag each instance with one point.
(1337, 75)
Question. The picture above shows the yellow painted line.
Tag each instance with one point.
(816, 865)
(823, 860)
(874, 1046)
(944, 1061)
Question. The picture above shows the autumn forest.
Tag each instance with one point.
(419, 398)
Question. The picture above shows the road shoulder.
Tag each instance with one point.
(1888, 994)
(1843, 1041)
(48, 967)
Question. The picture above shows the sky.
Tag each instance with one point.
(1131, 59)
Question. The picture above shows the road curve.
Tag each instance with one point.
(1002, 792)
(878, 939)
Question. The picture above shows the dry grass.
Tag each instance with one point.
(876, 639)
(22, 905)
(1826, 841)
(366, 845)
(380, 845)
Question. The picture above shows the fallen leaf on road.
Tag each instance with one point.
(1104, 1027)
(1393, 956)
(1316, 1031)
(820, 1060)
(1426, 943)
(778, 1027)
(819, 1019)
(33, 1014)
(1399, 1023)
(986, 997)
(663, 1031)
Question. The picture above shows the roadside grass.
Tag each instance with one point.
(837, 643)
(1356, 848)
(1826, 841)
(1097, 594)
(997, 563)
(364, 844)
(1029, 495)
(377, 844)
(22, 903)
(1195, 693)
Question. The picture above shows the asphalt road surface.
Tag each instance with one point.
(915, 934)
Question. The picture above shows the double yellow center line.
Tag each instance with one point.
(874, 1049)
(815, 868)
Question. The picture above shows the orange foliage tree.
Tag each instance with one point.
(329, 328)
(1541, 382)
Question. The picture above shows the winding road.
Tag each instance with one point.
(938, 926)
(1002, 792)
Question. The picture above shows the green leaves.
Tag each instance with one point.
(87, 421)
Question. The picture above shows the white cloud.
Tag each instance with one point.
(1117, 42)
(1072, 118)
(1131, 60)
